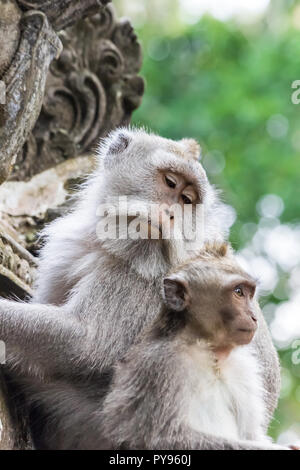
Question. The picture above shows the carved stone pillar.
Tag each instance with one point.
(68, 75)
(91, 88)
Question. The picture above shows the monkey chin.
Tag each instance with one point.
(242, 337)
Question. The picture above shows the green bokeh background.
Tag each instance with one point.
(223, 83)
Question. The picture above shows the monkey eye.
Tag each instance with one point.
(170, 182)
(186, 199)
(239, 291)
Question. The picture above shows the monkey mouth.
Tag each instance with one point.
(144, 219)
(246, 332)
(154, 230)
(156, 226)
(244, 335)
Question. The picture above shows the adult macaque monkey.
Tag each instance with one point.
(193, 380)
(94, 296)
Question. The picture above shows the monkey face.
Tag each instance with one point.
(238, 313)
(217, 298)
(139, 180)
(172, 193)
(159, 177)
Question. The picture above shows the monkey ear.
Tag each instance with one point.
(119, 141)
(175, 293)
(192, 147)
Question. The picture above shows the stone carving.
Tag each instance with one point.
(92, 88)
(25, 206)
(17, 267)
(9, 33)
(62, 13)
(24, 83)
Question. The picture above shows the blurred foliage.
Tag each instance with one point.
(229, 86)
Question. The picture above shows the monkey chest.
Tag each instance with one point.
(228, 403)
(213, 412)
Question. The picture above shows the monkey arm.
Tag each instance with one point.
(44, 335)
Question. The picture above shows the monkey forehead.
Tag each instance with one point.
(216, 271)
(186, 148)
(142, 145)
(171, 161)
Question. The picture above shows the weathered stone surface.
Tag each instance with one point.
(14, 433)
(17, 267)
(25, 83)
(92, 88)
(63, 13)
(10, 16)
(45, 190)
(25, 206)
(7, 431)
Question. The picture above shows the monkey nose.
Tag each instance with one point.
(169, 214)
(253, 317)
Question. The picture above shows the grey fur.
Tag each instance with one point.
(93, 298)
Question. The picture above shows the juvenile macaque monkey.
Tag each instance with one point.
(193, 380)
(94, 295)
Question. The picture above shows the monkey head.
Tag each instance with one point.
(154, 172)
(217, 298)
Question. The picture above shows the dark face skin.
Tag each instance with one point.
(238, 316)
(174, 189)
